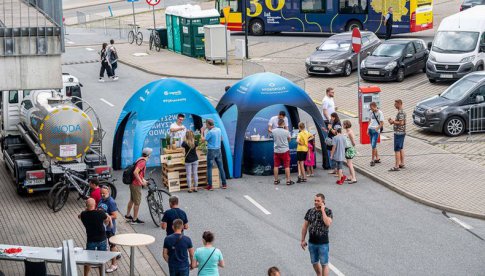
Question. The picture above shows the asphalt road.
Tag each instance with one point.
(375, 231)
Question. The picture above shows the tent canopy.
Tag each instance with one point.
(156, 100)
(258, 91)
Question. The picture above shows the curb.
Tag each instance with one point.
(172, 75)
(413, 197)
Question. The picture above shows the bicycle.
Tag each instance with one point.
(59, 193)
(155, 40)
(157, 200)
(135, 34)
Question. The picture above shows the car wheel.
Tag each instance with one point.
(353, 24)
(432, 80)
(256, 27)
(454, 126)
(480, 68)
(347, 69)
(400, 75)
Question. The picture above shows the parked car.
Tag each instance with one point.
(448, 112)
(335, 56)
(394, 59)
(466, 4)
(458, 47)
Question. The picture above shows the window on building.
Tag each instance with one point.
(309, 6)
(353, 6)
(13, 96)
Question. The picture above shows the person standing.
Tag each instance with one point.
(310, 158)
(191, 160)
(95, 190)
(338, 155)
(273, 123)
(172, 214)
(399, 134)
(333, 126)
(376, 124)
(177, 129)
(317, 223)
(302, 150)
(113, 57)
(350, 150)
(281, 156)
(135, 187)
(105, 64)
(94, 221)
(214, 139)
(328, 107)
(388, 21)
(208, 259)
(112, 210)
(178, 250)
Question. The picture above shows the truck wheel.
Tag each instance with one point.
(256, 27)
(454, 126)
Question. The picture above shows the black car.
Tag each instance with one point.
(394, 59)
(466, 4)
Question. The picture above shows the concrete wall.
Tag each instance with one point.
(30, 72)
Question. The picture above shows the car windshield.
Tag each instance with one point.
(335, 45)
(388, 50)
(455, 42)
(458, 90)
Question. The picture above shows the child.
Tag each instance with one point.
(310, 157)
(302, 150)
(338, 155)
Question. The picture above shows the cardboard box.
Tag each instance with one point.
(173, 180)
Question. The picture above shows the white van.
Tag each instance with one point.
(458, 47)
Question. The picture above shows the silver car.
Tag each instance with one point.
(335, 55)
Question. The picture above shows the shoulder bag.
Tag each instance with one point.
(382, 128)
(202, 267)
(183, 161)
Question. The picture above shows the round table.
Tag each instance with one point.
(132, 240)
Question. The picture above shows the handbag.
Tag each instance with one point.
(382, 128)
(202, 267)
(350, 153)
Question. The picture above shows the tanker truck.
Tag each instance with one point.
(46, 133)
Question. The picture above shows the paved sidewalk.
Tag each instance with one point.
(28, 221)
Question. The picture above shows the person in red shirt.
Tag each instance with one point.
(135, 188)
(95, 190)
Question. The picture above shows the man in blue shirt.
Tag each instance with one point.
(177, 248)
(112, 210)
(213, 138)
(172, 214)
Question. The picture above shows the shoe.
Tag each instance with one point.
(377, 161)
(209, 188)
(394, 169)
(343, 179)
(189, 191)
(112, 268)
(115, 78)
(195, 190)
(137, 221)
(128, 218)
(290, 183)
(339, 182)
(352, 182)
(224, 186)
(276, 182)
(402, 166)
(118, 257)
(299, 180)
(101, 80)
(372, 163)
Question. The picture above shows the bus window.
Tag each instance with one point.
(309, 6)
(353, 6)
(224, 3)
(13, 96)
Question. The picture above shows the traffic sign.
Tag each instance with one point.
(153, 2)
(356, 40)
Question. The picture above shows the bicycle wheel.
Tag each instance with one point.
(61, 198)
(131, 37)
(150, 42)
(157, 204)
(139, 38)
(157, 43)
(53, 192)
(111, 186)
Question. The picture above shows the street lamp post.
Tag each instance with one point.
(245, 22)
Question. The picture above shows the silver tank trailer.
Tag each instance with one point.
(61, 129)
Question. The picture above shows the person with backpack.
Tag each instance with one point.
(172, 214)
(138, 181)
(376, 125)
(113, 57)
(105, 64)
(208, 259)
(178, 251)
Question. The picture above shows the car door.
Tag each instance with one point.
(409, 59)
(421, 55)
(474, 105)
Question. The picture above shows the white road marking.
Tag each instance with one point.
(461, 223)
(90, 49)
(70, 42)
(211, 98)
(140, 54)
(266, 212)
(335, 270)
(106, 102)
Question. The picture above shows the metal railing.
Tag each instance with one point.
(112, 26)
(476, 120)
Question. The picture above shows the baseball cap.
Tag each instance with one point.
(147, 151)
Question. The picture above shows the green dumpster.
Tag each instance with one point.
(162, 33)
(193, 31)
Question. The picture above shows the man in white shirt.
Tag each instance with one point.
(328, 105)
(273, 122)
(177, 129)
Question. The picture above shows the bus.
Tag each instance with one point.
(327, 16)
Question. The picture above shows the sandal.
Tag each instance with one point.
(303, 179)
(189, 191)
(393, 169)
(372, 163)
(377, 161)
(402, 166)
(290, 183)
(352, 182)
(112, 268)
(276, 182)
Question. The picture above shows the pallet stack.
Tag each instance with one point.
(174, 176)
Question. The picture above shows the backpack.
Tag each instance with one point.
(128, 173)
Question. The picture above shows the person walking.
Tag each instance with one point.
(333, 126)
(328, 107)
(112, 210)
(208, 259)
(281, 156)
(310, 158)
(399, 134)
(191, 160)
(350, 150)
(214, 139)
(388, 21)
(338, 155)
(273, 123)
(113, 57)
(317, 223)
(135, 187)
(376, 124)
(94, 221)
(172, 214)
(105, 64)
(177, 129)
(302, 150)
(95, 190)
(178, 251)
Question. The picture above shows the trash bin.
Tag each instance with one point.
(162, 33)
(192, 24)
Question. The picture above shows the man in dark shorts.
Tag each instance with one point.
(281, 137)
(112, 210)
(317, 223)
(399, 134)
(172, 214)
